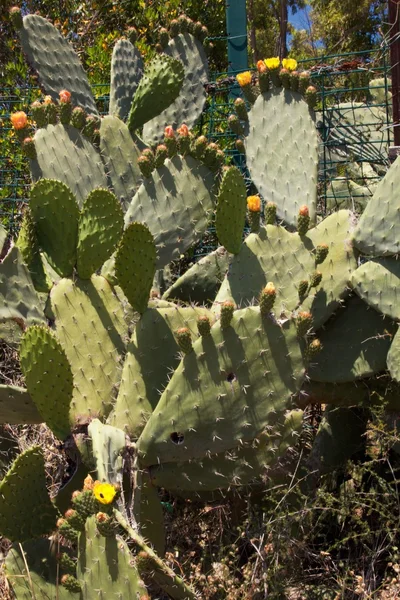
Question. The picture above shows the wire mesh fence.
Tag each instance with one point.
(353, 117)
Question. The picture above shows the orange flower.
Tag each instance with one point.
(169, 132)
(303, 211)
(19, 120)
(65, 96)
(48, 100)
(244, 79)
(261, 66)
(254, 203)
(183, 130)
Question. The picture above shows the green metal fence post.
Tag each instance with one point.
(236, 27)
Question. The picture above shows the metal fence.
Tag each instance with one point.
(353, 117)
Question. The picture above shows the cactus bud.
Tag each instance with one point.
(183, 23)
(28, 148)
(204, 326)
(304, 81)
(132, 34)
(227, 310)
(241, 110)
(66, 562)
(234, 124)
(313, 348)
(315, 279)
(88, 483)
(197, 30)
(164, 37)
(16, 17)
(303, 220)
(78, 118)
(183, 139)
(184, 339)
(146, 165)
(294, 81)
(170, 141)
(240, 147)
(203, 34)
(161, 155)
(254, 208)
(267, 298)
(210, 155)
(302, 288)
(174, 28)
(75, 520)
(39, 113)
(284, 75)
(70, 583)
(65, 96)
(66, 530)
(105, 524)
(311, 96)
(91, 124)
(321, 252)
(270, 213)
(303, 323)
(84, 503)
(199, 146)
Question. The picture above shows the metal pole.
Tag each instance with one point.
(394, 40)
(236, 28)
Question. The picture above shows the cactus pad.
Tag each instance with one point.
(55, 213)
(283, 161)
(377, 283)
(174, 203)
(101, 223)
(159, 87)
(107, 445)
(126, 73)
(16, 406)
(56, 62)
(28, 245)
(48, 377)
(226, 391)
(135, 265)
(25, 508)
(189, 105)
(231, 210)
(393, 359)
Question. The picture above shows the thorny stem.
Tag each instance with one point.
(172, 583)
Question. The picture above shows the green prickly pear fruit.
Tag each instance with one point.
(145, 166)
(106, 524)
(91, 124)
(303, 220)
(267, 298)
(264, 80)
(39, 113)
(170, 141)
(159, 49)
(234, 124)
(315, 279)
(254, 208)
(210, 155)
(204, 325)
(294, 81)
(303, 323)
(164, 37)
(184, 139)
(161, 155)
(304, 81)
(240, 147)
(184, 339)
(183, 21)
(65, 109)
(284, 75)
(227, 310)
(241, 110)
(270, 213)
(66, 530)
(78, 118)
(29, 148)
(132, 34)
(84, 503)
(311, 96)
(66, 563)
(220, 160)
(16, 17)
(174, 28)
(313, 348)
(197, 29)
(51, 110)
(75, 520)
(143, 562)
(321, 252)
(203, 34)
(70, 583)
(303, 287)
(199, 146)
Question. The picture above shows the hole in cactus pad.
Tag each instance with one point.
(177, 438)
(231, 377)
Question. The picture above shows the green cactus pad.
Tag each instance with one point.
(393, 359)
(126, 73)
(120, 154)
(91, 328)
(355, 344)
(48, 377)
(32, 568)
(201, 282)
(148, 513)
(375, 391)
(63, 153)
(107, 445)
(231, 209)
(55, 213)
(282, 153)
(101, 223)
(105, 566)
(16, 406)
(159, 87)
(377, 283)
(3, 237)
(175, 204)
(152, 355)
(378, 230)
(25, 508)
(336, 231)
(135, 265)
(189, 105)
(18, 299)
(235, 467)
(28, 245)
(226, 391)
(273, 255)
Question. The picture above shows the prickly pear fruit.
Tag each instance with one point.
(227, 310)
(240, 147)
(313, 349)
(254, 208)
(170, 141)
(39, 115)
(294, 81)
(29, 148)
(315, 279)
(321, 252)
(303, 220)
(199, 147)
(66, 563)
(267, 299)
(164, 37)
(75, 520)
(270, 213)
(16, 17)
(106, 524)
(146, 165)
(284, 75)
(241, 110)
(84, 503)
(311, 96)
(78, 118)
(302, 288)
(234, 124)
(184, 139)
(70, 583)
(161, 155)
(264, 80)
(184, 339)
(303, 323)
(51, 110)
(66, 530)
(304, 81)
(204, 325)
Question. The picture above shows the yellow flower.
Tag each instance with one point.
(104, 492)
(272, 63)
(290, 64)
(254, 203)
(19, 120)
(244, 78)
(48, 100)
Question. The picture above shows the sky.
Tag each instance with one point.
(299, 20)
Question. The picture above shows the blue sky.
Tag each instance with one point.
(299, 20)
